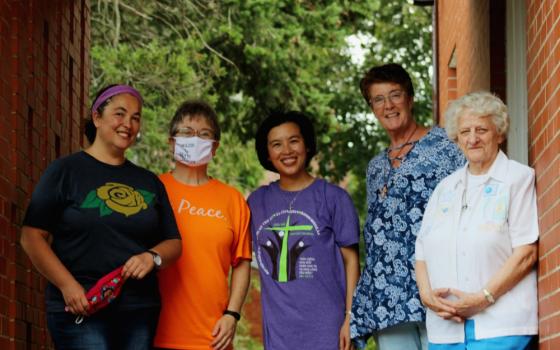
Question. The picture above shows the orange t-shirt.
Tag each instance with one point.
(214, 223)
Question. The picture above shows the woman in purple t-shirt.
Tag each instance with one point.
(305, 238)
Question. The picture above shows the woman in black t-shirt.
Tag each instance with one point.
(101, 212)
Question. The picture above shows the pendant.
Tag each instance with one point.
(383, 192)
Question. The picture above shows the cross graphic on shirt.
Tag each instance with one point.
(284, 233)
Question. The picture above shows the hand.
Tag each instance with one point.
(223, 332)
(75, 298)
(436, 301)
(138, 266)
(467, 304)
(344, 342)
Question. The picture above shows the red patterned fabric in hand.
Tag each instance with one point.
(104, 292)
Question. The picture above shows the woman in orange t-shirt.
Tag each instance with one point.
(200, 309)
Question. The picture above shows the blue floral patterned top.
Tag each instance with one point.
(387, 294)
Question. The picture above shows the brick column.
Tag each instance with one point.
(44, 79)
(543, 79)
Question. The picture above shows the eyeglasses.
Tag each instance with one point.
(396, 97)
(206, 134)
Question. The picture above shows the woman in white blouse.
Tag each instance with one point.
(476, 249)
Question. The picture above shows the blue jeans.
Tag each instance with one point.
(514, 342)
(107, 329)
(409, 336)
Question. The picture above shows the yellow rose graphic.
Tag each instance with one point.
(121, 198)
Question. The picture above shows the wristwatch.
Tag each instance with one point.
(488, 296)
(157, 258)
(233, 314)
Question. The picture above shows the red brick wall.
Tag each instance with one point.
(543, 80)
(474, 33)
(463, 27)
(44, 79)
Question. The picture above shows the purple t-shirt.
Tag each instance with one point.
(303, 283)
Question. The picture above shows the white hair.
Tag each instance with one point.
(480, 103)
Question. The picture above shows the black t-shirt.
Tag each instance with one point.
(99, 215)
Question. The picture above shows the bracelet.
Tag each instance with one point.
(233, 314)
(488, 296)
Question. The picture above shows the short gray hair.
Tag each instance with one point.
(480, 103)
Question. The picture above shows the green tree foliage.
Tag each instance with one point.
(395, 31)
(247, 57)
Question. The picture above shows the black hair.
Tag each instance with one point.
(89, 129)
(388, 73)
(276, 118)
(192, 109)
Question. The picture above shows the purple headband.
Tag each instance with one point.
(115, 90)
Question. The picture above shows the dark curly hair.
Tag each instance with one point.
(276, 118)
(89, 128)
(388, 73)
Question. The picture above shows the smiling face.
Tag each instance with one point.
(286, 150)
(479, 140)
(395, 113)
(119, 123)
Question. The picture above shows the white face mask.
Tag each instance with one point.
(193, 151)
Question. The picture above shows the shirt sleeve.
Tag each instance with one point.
(46, 203)
(346, 224)
(522, 217)
(458, 158)
(168, 225)
(369, 181)
(427, 223)
(241, 248)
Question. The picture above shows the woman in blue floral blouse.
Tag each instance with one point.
(400, 181)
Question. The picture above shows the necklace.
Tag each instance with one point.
(383, 191)
(293, 200)
(401, 147)
(467, 196)
(464, 205)
(290, 206)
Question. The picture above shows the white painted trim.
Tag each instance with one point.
(516, 80)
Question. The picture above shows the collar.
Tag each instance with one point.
(434, 132)
(498, 170)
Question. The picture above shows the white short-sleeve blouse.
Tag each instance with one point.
(465, 242)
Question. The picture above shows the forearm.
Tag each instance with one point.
(513, 270)
(240, 278)
(516, 267)
(169, 250)
(34, 243)
(352, 269)
(224, 329)
(422, 280)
